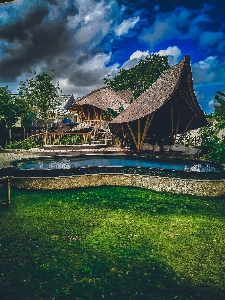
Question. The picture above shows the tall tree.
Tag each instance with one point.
(140, 77)
(10, 108)
(39, 94)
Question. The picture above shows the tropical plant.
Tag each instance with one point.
(213, 147)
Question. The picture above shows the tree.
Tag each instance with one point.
(220, 114)
(39, 94)
(213, 142)
(10, 108)
(140, 77)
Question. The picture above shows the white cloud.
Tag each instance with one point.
(199, 95)
(92, 22)
(97, 62)
(65, 85)
(208, 63)
(209, 70)
(211, 103)
(139, 54)
(174, 54)
(130, 63)
(134, 58)
(126, 25)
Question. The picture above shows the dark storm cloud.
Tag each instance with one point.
(63, 36)
(20, 30)
(34, 42)
(85, 78)
(6, 1)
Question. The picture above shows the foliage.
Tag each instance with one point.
(39, 94)
(113, 114)
(220, 114)
(27, 144)
(27, 119)
(10, 107)
(213, 146)
(70, 140)
(140, 77)
(111, 243)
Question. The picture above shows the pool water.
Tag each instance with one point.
(141, 162)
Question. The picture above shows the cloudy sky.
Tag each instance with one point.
(87, 40)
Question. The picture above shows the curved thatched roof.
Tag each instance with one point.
(176, 79)
(105, 98)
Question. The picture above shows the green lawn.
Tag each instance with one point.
(111, 243)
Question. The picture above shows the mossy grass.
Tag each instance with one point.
(111, 243)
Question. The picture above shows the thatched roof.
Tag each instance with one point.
(105, 98)
(176, 79)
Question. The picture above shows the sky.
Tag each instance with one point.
(84, 41)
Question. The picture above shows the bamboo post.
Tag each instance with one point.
(172, 122)
(133, 136)
(139, 134)
(147, 125)
(8, 192)
(178, 121)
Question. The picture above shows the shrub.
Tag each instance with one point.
(27, 144)
(213, 147)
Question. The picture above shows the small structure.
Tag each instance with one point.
(169, 107)
(94, 109)
(94, 106)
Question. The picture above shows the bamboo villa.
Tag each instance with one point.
(168, 108)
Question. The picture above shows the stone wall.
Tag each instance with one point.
(211, 188)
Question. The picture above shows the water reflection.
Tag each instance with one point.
(63, 163)
(199, 168)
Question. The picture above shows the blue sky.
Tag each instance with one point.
(87, 40)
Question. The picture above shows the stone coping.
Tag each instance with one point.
(206, 188)
(200, 187)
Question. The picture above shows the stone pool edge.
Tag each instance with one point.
(197, 187)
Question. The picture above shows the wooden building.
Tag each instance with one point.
(94, 107)
(169, 107)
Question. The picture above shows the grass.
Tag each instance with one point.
(112, 243)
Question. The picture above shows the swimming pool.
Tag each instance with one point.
(114, 161)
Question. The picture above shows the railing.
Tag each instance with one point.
(72, 137)
(57, 138)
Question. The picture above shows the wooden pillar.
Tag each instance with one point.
(177, 127)
(133, 136)
(139, 134)
(172, 123)
(147, 125)
(186, 129)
